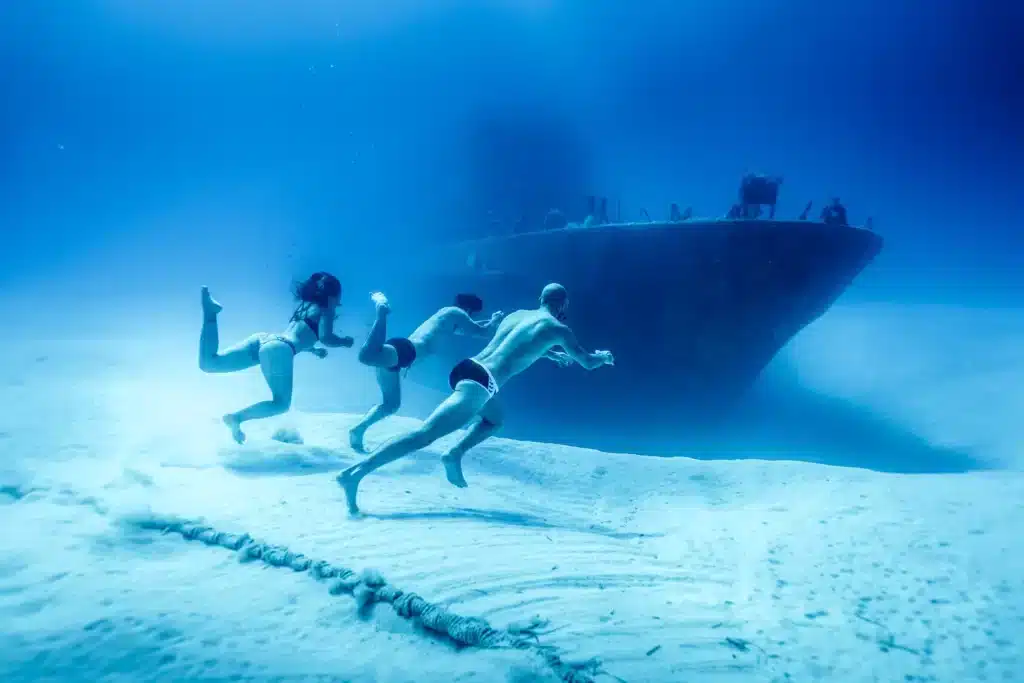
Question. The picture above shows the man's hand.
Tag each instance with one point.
(319, 351)
(563, 360)
(606, 357)
(497, 317)
(347, 342)
(381, 302)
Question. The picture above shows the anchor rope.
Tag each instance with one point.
(369, 587)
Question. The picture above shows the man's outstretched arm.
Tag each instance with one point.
(586, 359)
(483, 328)
(559, 357)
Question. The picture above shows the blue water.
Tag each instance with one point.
(148, 148)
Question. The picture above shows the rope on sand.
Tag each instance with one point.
(370, 587)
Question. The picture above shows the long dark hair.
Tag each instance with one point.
(317, 289)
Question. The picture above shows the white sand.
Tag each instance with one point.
(666, 569)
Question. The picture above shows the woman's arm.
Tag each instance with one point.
(327, 336)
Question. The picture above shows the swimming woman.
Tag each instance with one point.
(313, 320)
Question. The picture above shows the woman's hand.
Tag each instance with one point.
(319, 351)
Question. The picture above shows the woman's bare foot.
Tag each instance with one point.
(453, 470)
(236, 428)
(210, 305)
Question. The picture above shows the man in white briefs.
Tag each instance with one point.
(522, 338)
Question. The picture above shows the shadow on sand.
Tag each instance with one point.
(778, 423)
(778, 420)
(277, 459)
(504, 518)
(804, 425)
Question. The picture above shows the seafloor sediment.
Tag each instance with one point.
(662, 569)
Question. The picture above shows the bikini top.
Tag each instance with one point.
(301, 314)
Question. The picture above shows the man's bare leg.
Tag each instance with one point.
(489, 423)
(374, 351)
(390, 385)
(454, 412)
(377, 354)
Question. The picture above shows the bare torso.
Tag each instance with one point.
(522, 338)
(298, 333)
(440, 325)
(300, 336)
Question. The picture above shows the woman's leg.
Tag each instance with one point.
(238, 357)
(277, 361)
(391, 400)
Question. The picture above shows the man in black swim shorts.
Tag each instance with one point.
(521, 340)
(391, 356)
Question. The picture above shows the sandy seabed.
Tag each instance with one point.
(664, 569)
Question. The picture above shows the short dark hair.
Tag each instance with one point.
(470, 303)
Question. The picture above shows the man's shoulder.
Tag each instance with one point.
(545, 324)
(447, 312)
(528, 315)
(517, 316)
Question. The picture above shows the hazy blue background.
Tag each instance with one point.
(148, 147)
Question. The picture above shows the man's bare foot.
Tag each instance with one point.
(355, 440)
(236, 428)
(210, 305)
(453, 470)
(350, 484)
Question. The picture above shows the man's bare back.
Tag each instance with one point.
(450, 320)
(391, 356)
(523, 338)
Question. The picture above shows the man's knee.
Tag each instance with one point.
(283, 403)
(423, 437)
(434, 429)
(492, 415)
(208, 364)
(374, 355)
(390, 406)
(368, 355)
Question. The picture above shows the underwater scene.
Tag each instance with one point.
(511, 341)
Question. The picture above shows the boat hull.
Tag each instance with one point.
(693, 311)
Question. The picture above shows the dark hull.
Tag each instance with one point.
(692, 311)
